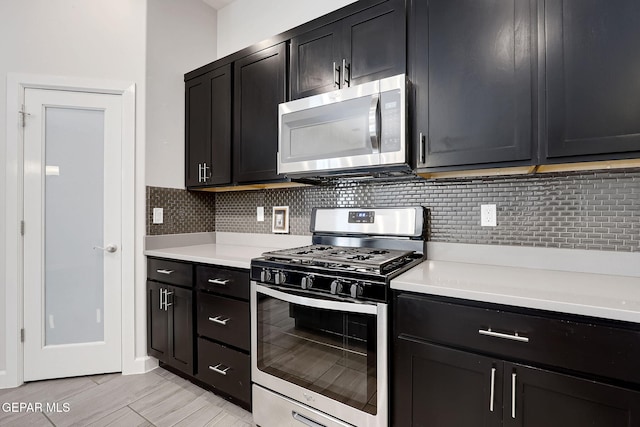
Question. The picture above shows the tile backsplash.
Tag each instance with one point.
(184, 211)
(582, 210)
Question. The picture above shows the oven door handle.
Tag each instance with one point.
(351, 307)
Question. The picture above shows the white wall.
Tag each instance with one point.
(181, 36)
(100, 39)
(246, 22)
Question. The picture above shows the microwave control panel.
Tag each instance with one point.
(390, 122)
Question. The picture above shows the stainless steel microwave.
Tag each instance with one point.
(347, 131)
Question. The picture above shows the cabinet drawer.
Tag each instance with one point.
(225, 369)
(588, 346)
(173, 272)
(224, 281)
(224, 319)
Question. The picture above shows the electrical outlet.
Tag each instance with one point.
(158, 216)
(260, 214)
(488, 215)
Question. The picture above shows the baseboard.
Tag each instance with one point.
(140, 365)
(6, 381)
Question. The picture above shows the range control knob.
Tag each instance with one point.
(356, 290)
(307, 282)
(280, 278)
(336, 287)
(265, 275)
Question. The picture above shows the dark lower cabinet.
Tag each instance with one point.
(550, 399)
(442, 378)
(438, 386)
(259, 86)
(472, 68)
(170, 325)
(224, 345)
(592, 86)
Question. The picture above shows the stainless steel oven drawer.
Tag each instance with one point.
(224, 319)
(172, 272)
(579, 344)
(225, 369)
(224, 281)
(272, 409)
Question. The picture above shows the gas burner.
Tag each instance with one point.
(360, 257)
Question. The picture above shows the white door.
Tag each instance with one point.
(72, 214)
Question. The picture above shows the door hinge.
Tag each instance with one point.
(22, 228)
(23, 116)
(22, 335)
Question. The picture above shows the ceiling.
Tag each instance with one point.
(218, 4)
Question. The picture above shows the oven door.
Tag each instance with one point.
(326, 354)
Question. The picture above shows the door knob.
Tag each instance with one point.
(109, 248)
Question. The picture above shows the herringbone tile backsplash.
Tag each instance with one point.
(593, 210)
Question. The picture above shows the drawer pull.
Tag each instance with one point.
(165, 271)
(219, 321)
(217, 369)
(493, 387)
(306, 421)
(514, 337)
(218, 281)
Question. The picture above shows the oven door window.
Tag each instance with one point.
(330, 352)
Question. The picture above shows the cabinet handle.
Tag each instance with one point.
(513, 395)
(304, 420)
(346, 70)
(205, 176)
(199, 172)
(514, 337)
(493, 388)
(336, 76)
(166, 299)
(218, 281)
(219, 371)
(421, 147)
(217, 320)
(165, 271)
(161, 299)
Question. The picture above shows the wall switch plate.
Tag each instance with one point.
(260, 213)
(488, 216)
(158, 216)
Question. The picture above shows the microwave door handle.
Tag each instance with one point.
(374, 122)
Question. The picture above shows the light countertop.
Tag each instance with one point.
(213, 253)
(598, 295)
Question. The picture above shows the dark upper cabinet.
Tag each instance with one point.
(259, 86)
(208, 129)
(472, 66)
(364, 46)
(592, 85)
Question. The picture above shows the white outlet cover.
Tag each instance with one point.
(260, 213)
(488, 215)
(158, 215)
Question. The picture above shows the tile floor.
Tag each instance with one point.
(157, 398)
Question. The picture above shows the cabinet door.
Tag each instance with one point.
(593, 89)
(259, 82)
(157, 321)
(438, 386)
(220, 113)
(549, 399)
(373, 44)
(197, 130)
(208, 129)
(471, 68)
(316, 62)
(181, 331)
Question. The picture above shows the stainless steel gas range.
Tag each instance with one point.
(319, 318)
